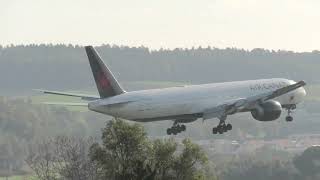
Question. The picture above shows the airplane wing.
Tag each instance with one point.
(237, 105)
(82, 96)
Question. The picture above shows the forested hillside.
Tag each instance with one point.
(65, 67)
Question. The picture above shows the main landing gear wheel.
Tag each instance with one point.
(222, 127)
(176, 129)
(229, 127)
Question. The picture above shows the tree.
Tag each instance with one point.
(62, 158)
(124, 153)
(164, 158)
(72, 160)
(127, 153)
(192, 156)
(41, 160)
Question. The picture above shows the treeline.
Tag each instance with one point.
(65, 66)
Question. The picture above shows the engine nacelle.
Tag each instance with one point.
(268, 111)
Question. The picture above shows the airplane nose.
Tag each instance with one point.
(303, 92)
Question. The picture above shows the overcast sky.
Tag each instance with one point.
(272, 24)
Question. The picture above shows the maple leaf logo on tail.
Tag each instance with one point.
(103, 81)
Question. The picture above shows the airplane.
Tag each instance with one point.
(264, 99)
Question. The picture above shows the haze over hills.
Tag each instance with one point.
(65, 67)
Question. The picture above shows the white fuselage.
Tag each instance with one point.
(167, 103)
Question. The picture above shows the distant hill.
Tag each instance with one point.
(23, 68)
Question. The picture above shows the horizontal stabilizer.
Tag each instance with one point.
(60, 93)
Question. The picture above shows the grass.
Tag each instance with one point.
(18, 178)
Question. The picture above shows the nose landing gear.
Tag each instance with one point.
(289, 118)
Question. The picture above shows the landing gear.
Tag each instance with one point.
(229, 127)
(176, 129)
(222, 127)
(289, 118)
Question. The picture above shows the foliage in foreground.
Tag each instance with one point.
(126, 153)
(62, 158)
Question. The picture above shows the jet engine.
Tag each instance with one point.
(267, 111)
